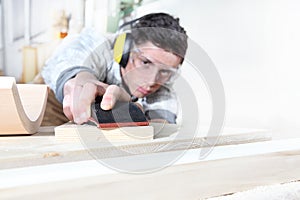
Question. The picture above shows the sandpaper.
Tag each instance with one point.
(122, 114)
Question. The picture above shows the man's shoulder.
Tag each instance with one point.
(97, 35)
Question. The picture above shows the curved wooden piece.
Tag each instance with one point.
(22, 106)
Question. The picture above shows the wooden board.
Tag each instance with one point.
(43, 148)
(22, 106)
(34, 58)
(71, 132)
(30, 63)
(227, 169)
(167, 137)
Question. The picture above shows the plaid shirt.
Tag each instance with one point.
(91, 51)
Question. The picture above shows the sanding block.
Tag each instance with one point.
(123, 114)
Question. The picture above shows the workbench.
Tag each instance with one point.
(38, 166)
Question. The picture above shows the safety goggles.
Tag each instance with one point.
(164, 74)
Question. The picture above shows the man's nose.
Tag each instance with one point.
(151, 78)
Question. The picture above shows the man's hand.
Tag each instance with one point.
(81, 91)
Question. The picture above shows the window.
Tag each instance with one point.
(42, 14)
(18, 19)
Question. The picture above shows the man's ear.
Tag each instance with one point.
(122, 47)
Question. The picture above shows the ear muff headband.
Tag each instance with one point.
(122, 47)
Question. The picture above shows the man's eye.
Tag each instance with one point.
(146, 62)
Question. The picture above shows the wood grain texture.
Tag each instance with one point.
(43, 148)
(22, 106)
(227, 169)
(138, 140)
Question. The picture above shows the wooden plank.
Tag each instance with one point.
(227, 169)
(34, 58)
(30, 63)
(168, 137)
(22, 106)
(43, 148)
(71, 132)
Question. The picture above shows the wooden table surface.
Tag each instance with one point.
(227, 169)
(43, 148)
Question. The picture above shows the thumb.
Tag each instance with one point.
(113, 94)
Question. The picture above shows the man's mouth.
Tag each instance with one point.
(143, 91)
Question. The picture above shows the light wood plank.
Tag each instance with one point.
(137, 140)
(227, 169)
(43, 148)
(76, 133)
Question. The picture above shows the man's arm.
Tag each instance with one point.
(75, 73)
(89, 51)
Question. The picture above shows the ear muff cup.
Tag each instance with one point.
(122, 48)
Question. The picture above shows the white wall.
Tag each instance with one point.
(255, 47)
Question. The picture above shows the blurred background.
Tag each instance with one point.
(254, 45)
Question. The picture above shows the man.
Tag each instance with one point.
(84, 68)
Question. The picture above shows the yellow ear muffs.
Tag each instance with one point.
(122, 47)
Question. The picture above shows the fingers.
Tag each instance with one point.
(81, 91)
(111, 95)
(82, 99)
(101, 87)
(68, 100)
(67, 107)
(78, 98)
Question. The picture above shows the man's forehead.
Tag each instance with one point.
(157, 54)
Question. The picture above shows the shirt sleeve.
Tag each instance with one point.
(162, 104)
(89, 51)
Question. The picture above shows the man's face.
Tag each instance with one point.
(149, 68)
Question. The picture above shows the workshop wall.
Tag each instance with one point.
(255, 46)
